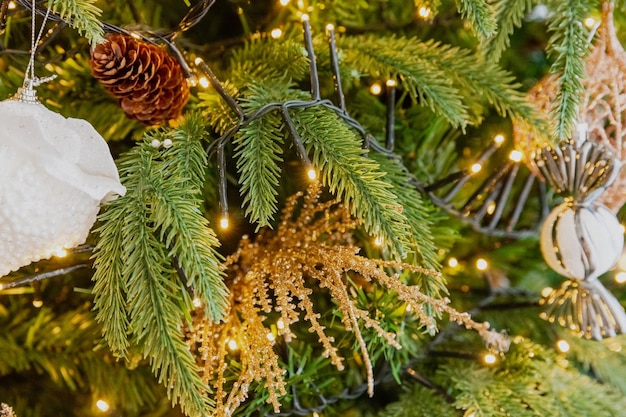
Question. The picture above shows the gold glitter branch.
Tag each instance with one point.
(313, 243)
(6, 411)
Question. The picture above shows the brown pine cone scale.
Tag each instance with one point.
(149, 84)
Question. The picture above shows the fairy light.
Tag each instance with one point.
(498, 139)
(491, 208)
(12, 5)
(103, 406)
(562, 346)
(378, 241)
(280, 324)
(204, 82)
(271, 337)
(311, 174)
(590, 22)
(424, 12)
(284, 2)
(489, 358)
(391, 83)
(546, 291)
(224, 223)
(59, 252)
(304, 17)
(376, 89)
(232, 344)
(330, 28)
(476, 168)
(620, 277)
(198, 61)
(482, 264)
(197, 302)
(276, 33)
(453, 262)
(37, 303)
(516, 156)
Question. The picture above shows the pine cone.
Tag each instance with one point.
(149, 84)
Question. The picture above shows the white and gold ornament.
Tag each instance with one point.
(581, 239)
(54, 172)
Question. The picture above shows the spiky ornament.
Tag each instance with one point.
(54, 173)
(149, 84)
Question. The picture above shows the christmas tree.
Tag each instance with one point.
(317, 208)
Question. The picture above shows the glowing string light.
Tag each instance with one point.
(453, 262)
(276, 33)
(498, 139)
(476, 168)
(562, 346)
(102, 406)
(204, 82)
(482, 264)
(224, 223)
(490, 358)
(376, 89)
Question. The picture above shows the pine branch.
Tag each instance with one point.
(480, 16)
(509, 15)
(353, 178)
(395, 58)
(82, 15)
(176, 187)
(157, 224)
(423, 402)
(568, 46)
(416, 212)
(110, 285)
(154, 299)
(258, 151)
(463, 73)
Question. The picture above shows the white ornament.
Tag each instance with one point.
(581, 242)
(54, 173)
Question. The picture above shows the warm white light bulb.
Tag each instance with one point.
(391, 83)
(12, 5)
(378, 241)
(311, 174)
(232, 345)
(424, 12)
(482, 264)
(198, 60)
(620, 277)
(276, 33)
(224, 224)
(204, 82)
(304, 17)
(376, 89)
(476, 168)
(330, 27)
(490, 358)
(453, 262)
(37, 303)
(284, 2)
(102, 406)
(197, 302)
(498, 139)
(59, 252)
(280, 324)
(270, 337)
(562, 346)
(516, 156)
(590, 22)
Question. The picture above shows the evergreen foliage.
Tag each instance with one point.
(155, 246)
(569, 47)
(82, 15)
(155, 255)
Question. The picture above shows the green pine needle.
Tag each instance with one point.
(353, 178)
(480, 16)
(569, 47)
(154, 245)
(509, 15)
(82, 15)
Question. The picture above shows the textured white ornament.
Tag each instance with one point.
(581, 242)
(54, 173)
